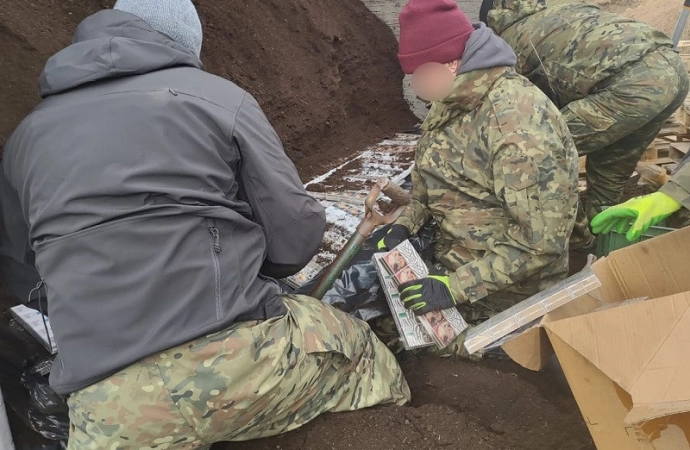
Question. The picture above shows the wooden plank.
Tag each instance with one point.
(653, 174)
(668, 138)
(683, 116)
(662, 148)
(661, 161)
(652, 152)
(681, 147)
(673, 130)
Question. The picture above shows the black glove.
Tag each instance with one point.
(396, 235)
(427, 294)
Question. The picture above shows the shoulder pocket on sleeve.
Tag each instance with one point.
(522, 196)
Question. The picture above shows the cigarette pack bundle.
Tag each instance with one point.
(37, 325)
(502, 325)
(403, 264)
(303, 276)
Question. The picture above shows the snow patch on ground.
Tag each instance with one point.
(392, 158)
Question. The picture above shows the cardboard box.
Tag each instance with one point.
(627, 364)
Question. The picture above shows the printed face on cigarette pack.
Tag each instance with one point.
(444, 331)
(434, 317)
(395, 261)
(405, 275)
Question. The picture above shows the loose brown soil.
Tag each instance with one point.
(325, 72)
(456, 405)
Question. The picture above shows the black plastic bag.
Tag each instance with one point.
(358, 291)
(23, 371)
(45, 411)
(56, 445)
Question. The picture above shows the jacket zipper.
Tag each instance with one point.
(215, 250)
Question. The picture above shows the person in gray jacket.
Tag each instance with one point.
(160, 206)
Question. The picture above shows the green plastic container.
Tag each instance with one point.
(606, 243)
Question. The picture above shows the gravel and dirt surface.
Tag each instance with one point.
(457, 406)
(661, 14)
(326, 74)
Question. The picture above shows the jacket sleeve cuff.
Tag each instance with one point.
(413, 217)
(467, 285)
(407, 223)
(676, 192)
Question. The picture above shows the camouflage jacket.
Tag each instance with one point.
(568, 50)
(496, 167)
(678, 187)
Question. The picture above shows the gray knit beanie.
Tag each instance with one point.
(177, 19)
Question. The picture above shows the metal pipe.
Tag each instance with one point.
(680, 25)
(5, 432)
(338, 265)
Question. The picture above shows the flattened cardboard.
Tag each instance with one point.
(640, 347)
(628, 372)
(598, 399)
(665, 433)
(652, 268)
(627, 363)
(531, 349)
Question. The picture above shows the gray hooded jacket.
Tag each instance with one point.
(158, 198)
(485, 50)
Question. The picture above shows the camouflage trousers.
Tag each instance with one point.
(253, 380)
(614, 125)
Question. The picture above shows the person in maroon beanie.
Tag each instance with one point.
(495, 167)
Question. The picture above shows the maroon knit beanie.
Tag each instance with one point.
(432, 31)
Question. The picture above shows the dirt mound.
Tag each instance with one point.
(661, 14)
(456, 405)
(325, 71)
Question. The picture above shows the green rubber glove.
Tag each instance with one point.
(646, 211)
(427, 294)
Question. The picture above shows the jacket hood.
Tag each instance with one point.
(507, 13)
(111, 44)
(485, 50)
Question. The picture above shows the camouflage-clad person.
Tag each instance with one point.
(496, 167)
(615, 80)
(678, 187)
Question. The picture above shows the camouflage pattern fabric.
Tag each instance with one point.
(661, 79)
(615, 80)
(496, 167)
(678, 186)
(253, 380)
(582, 238)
